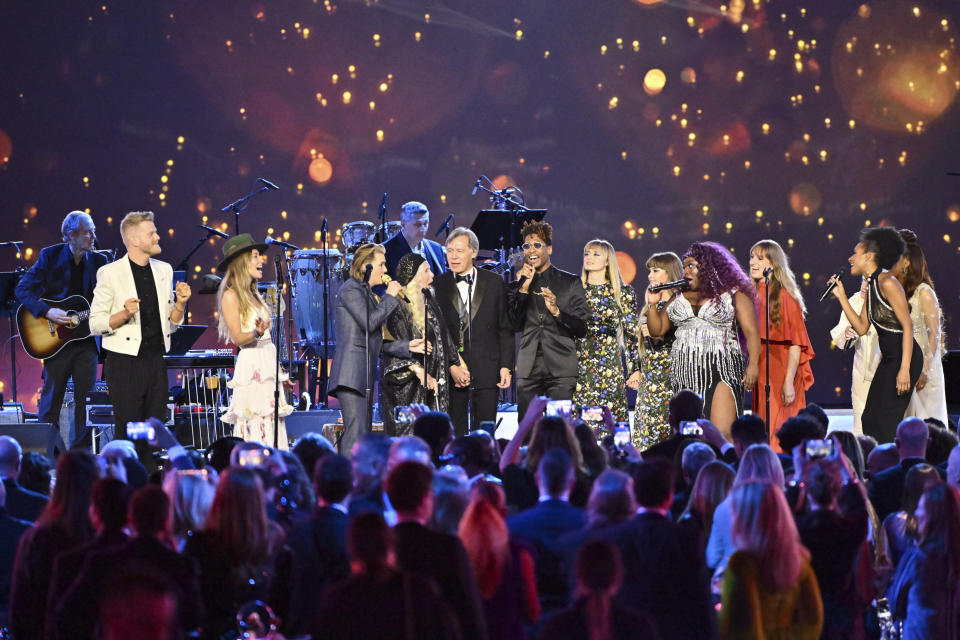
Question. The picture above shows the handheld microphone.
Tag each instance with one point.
(387, 280)
(836, 278)
(213, 232)
(427, 291)
(476, 185)
(682, 284)
(280, 243)
(767, 272)
(849, 343)
(268, 184)
(445, 226)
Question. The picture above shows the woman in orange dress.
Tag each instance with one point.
(790, 348)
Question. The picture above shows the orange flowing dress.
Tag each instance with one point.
(791, 330)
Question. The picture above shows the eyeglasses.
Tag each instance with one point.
(526, 246)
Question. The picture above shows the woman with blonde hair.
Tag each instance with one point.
(653, 382)
(769, 588)
(191, 493)
(790, 347)
(611, 335)
(245, 321)
(504, 569)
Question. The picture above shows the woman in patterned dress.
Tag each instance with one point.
(611, 333)
(654, 390)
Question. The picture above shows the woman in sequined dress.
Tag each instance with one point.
(611, 333)
(706, 356)
(653, 386)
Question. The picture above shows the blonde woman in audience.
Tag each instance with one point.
(191, 493)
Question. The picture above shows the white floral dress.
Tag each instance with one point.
(251, 406)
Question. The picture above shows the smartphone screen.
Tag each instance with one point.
(621, 434)
(591, 414)
(560, 408)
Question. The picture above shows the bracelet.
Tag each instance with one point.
(661, 305)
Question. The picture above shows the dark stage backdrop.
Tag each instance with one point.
(651, 124)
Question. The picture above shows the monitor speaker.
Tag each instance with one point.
(41, 437)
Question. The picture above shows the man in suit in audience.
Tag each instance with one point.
(432, 554)
(664, 572)
(486, 340)
(685, 406)
(369, 459)
(319, 545)
(10, 531)
(886, 488)
(543, 525)
(22, 504)
(414, 222)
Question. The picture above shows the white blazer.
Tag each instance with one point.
(115, 286)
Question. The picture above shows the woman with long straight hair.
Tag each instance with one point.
(654, 389)
(611, 336)
(769, 587)
(244, 320)
(790, 347)
(709, 489)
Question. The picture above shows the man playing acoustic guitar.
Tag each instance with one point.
(61, 271)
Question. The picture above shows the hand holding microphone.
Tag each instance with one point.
(835, 286)
(393, 288)
(526, 277)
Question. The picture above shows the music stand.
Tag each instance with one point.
(184, 338)
(497, 228)
(8, 307)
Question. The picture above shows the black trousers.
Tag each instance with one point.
(138, 390)
(77, 360)
(484, 407)
(541, 382)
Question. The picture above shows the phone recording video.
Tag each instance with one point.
(140, 431)
(560, 408)
(820, 448)
(621, 434)
(691, 429)
(591, 414)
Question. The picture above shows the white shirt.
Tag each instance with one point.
(464, 289)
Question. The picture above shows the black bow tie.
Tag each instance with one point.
(465, 278)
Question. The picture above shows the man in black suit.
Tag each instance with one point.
(414, 222)
(149, 515)
(542, 526)
(485, 339)
(434, 555)
(664, 572)
(10, 531)
(550, 307)
(62, 270)
(684, 406)
(886, 489)
(22, 504)
(319, 545)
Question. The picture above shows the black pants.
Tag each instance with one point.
(484, 407)
(541, 382)
(138, 390)
(77, 360)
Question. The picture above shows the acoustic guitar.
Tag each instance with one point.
(42, 338)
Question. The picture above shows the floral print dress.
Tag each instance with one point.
(650, 424)
(611, 338)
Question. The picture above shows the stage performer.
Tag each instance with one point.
(901, 361)
(414, 222)
(654, 389)
(611, 338)
(244, 319)
(866, 355)
(487, 348)
(62, 270)
(405, 381)
(929, 399)
(790, 347)
(707, 357)
(350, 368)
(135, 310)
(550, 307)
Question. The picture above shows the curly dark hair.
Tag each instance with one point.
(541, 229)
(719, 271)
(884, 243)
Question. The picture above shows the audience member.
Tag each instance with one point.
(504, 569)
(63, 525)
(141, 603)
(850, 446)
(318, 543)
(595, 614)
(663, 569)
(11, 529)
(953, 467)
(746, 431)
(310, 447)
(594, 456)
(900, 527)
(301, 489)
(923, 594)
(797, 429)
(149, 517)
(191, 493)
(769, 588)
(941, 444)
(693, 457)
(438, 556)
(220, 451)
(378, 601)
(369, 460)
(472, 453)
(709, 490)
(882, 457)
(886, 489)
(451, 495)
(434, 428)
(867, 444)
(543, 525)
(21, 502)
(685, 406)
(816, 412)
(36, 473)
(409, 449)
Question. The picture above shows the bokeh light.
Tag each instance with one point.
(321, 170)
(654, 81)
(6, 148)
(628, 267)
(805, 199)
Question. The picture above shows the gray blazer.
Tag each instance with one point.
(348, 368)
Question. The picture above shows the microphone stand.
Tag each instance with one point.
(184, 264)
(766, 388)
(366, 329)
(324, 374)
(470, 347)
(239, 205)
(426, 351)
(278, 262)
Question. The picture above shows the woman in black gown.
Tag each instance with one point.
(404, 380)
(901, 360)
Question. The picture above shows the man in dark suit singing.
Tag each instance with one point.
(62, 270)
(550, 307)
(473, 302)
(414, 222)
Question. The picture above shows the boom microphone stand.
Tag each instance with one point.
(366, 330)
(278, 262)
(766, 387)
(469, 279)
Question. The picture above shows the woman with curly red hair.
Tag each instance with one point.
(707, 356)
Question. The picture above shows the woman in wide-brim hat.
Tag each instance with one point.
(244, 320)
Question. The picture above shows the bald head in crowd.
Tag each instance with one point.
(913, 434)
(953, 467)
(10, 455)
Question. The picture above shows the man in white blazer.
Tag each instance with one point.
(135, 310)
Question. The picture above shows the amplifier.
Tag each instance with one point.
(11, 413)
(101, 415)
